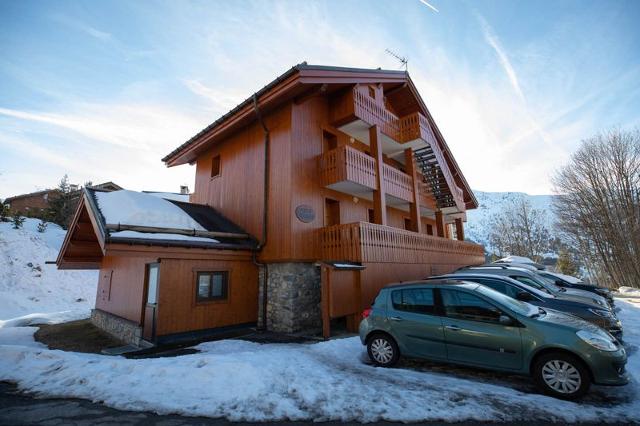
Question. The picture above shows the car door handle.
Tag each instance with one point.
(452, 327)
(396, 319)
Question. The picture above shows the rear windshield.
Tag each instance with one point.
(517, 306)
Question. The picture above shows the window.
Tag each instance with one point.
(429, 229)
(215, 166)
(152, 284)
(407, 224)
(212, 285)
(331, 212)
(466, 306)
(501, 287)
(418, 300)
(372, 92)
(371, 215)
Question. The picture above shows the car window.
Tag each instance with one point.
(501, 287)
(419, 300)
(463, 305)
(530, 283)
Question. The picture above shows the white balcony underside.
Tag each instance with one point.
(359, 130)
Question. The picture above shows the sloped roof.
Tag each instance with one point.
(294, 82)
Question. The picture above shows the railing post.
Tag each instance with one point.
(459, 230)
(439, 224)
(414, 208)
(379, 200)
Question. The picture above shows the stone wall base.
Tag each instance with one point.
(293, 297)
(120, 328)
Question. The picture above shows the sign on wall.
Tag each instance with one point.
(305, 213)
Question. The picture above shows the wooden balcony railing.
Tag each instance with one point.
(397, 183)
(366, 109)
(347, 164)
(368, 242)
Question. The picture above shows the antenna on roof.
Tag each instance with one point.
(404, 62)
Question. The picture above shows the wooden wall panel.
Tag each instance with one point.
(124, 295)
(177, 307)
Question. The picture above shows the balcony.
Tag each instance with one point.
(367, 242)
(347, 170)
(355, 112)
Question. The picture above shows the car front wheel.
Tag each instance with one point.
(383, 350)
(561, 375)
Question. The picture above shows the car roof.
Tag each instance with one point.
(496, 268)
(460, 276)
(444, 282)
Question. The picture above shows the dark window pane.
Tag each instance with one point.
(463, 305)
(217, 286)
(419, 300)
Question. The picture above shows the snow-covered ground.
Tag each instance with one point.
(28, 285)
(324, 381)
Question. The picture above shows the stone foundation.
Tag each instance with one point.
(293, 297)
(120, 328)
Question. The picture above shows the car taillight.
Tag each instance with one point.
(366, 313)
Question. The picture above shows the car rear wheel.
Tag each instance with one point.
(383, 350)
(561, 375)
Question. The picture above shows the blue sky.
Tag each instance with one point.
(102, 90)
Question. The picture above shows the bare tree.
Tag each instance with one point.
(519, 230)
(598, 206)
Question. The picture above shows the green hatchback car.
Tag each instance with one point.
(467, 323)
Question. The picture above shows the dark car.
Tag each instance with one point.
(534, 279)
(524, 292)
(467, 323)
(566, 282)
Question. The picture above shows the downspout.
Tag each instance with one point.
(265, 206)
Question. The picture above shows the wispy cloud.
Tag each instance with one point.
(492, 39)
(81, 26)
(429, 5)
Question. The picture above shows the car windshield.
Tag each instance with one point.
(550, 284)
(522, 308)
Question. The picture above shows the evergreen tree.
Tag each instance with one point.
(4, 212)
(42, 226)
(566, 264)
(18, 220)
(62, 204)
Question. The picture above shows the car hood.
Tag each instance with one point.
(566, 320)
(583, 296)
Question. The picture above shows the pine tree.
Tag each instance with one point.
(4, 212)
(565, 264)
(18, 220)
(42, 226)
(62, 204)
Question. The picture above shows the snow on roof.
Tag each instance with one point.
(516, 259)
(170, 196)
(137, 208)
(160, 236)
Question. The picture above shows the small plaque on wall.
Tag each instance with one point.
(305, 213)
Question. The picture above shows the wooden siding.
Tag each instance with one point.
(178, 310)
(121, 286)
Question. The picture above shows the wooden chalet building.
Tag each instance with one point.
(331, 183)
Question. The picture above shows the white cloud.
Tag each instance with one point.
(429, 5)
(81, 26)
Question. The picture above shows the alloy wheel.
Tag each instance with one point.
(561, 376)
(381, 350)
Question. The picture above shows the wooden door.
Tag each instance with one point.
(331, 212)
(151, 302)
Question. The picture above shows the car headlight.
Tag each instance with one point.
(597, 341)
(601, 312)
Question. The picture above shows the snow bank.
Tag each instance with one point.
(325, 381)
(629, 291)
(28, 285)
(137, 208)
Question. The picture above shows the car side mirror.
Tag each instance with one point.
(524, 296)
(505, 320)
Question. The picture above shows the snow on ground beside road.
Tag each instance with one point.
(28, 285)
(324, 381)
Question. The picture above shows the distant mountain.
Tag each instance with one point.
(493, 203)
